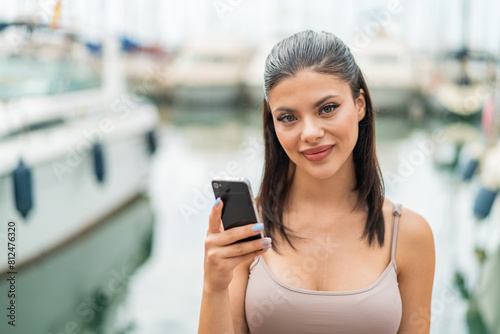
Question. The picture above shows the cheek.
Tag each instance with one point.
(282, 138)
(286, 140)
(348, 126)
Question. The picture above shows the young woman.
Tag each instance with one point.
(344, 259)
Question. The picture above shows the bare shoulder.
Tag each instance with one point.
(412, 227)
(415, 240)
(414, 230)
(415, 259)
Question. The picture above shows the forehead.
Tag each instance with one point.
(306, 87)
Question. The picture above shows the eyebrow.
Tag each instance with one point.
(316, 104)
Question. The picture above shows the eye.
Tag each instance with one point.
(286, 118)
(329, 108)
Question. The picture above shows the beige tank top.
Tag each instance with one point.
(274, 307)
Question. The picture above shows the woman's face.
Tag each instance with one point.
(316, 121)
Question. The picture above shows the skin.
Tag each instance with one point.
(309, 110)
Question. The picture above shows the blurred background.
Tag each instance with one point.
(115, 115)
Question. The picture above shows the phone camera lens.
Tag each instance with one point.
(216, 185)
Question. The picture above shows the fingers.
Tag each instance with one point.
(222, 254)
(228, 257)
(218, 269)
(238, 259)
(237, 233)
(214, 221)
(244, 248)
(231, 235)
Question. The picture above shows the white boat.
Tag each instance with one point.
(145, 69)
(387, 65)
(75, 153)
(462, 78)
(208, 70)
(460, 85)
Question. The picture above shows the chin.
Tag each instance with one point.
(322, 173)
(322, 176)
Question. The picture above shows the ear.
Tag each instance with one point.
(360, 103)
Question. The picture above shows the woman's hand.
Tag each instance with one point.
(222, 256)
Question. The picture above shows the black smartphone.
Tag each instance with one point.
(239, 205)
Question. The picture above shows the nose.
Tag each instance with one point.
(312, 130)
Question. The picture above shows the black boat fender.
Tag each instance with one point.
(470, 169)
(152, 141)
(99, 162)
(23, 188)
(484, 202)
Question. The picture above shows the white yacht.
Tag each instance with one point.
(75, 152)
(461, 83)
(388, 67)
(208, 70)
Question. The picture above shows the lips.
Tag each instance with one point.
(317, 153)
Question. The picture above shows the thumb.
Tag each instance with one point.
(214, 221)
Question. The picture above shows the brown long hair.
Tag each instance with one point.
(321, 52)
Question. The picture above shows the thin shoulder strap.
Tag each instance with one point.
(396, 212)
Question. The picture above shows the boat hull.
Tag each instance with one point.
(203, 95)
(79, 284)
(387, 99)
